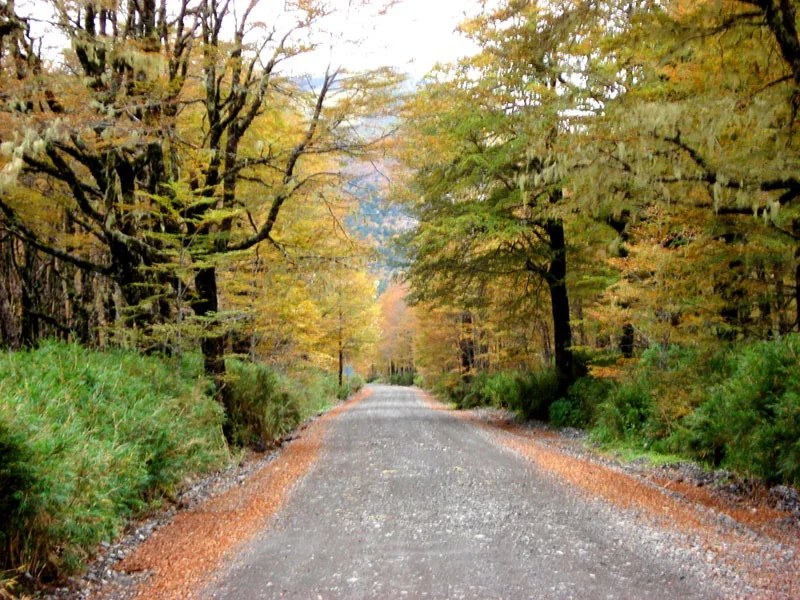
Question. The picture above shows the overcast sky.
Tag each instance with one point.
(412, 36)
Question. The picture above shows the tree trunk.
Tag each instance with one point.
(557, 284)
(626, 343)
(547, 341)
(212, 343)
(341, 353)
(341, 363)
(466, 345)
(28, 322)
(581, 327)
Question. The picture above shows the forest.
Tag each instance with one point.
(606, 235)
(592, 221)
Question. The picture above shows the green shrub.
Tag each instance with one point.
(579, 408)
(482, 389)
(262, 406)
(595, 357)
(649, 405)
(528, 394)
(405, 378)
(419, 381)
(356, 383)
(587, 393)
(501, 389)
(737, 407)
(90, 439)
(315, 389)
(352, 385)
(564, 413)
(537, 391)
(445, 386)
(17, 479)
(472, 392)
(751, 422)
(625, 414)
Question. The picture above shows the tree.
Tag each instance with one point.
(492, 154)
(398, 328)
(349, 323)
(706, 119)
(157, 136)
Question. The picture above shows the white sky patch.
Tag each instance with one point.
(412, 36)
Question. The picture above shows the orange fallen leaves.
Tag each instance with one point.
(183, 554)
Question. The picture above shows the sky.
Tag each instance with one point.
(412, 36)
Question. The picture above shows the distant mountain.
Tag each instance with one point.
(380, 222)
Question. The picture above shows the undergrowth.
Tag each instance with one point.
(730, 406)
(405, 378)
(266, 404)
(91, 439)
(88, 440)
(734, 407)
(529, 394)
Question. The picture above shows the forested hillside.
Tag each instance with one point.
(379, 222)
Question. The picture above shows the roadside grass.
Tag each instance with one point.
(630, 454)
(90, 440)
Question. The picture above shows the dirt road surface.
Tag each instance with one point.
(406, 501)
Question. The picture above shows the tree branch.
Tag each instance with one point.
(16, 227)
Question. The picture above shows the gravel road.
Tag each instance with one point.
(409, 502)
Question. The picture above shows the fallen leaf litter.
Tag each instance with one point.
(745, 541)
(181, 556)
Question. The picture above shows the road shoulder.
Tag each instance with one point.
(746, 539)
(173, 560)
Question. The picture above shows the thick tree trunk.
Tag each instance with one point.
(212, 343)
(556, 278)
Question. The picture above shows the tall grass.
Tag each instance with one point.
(88, 440)
(266, 403)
